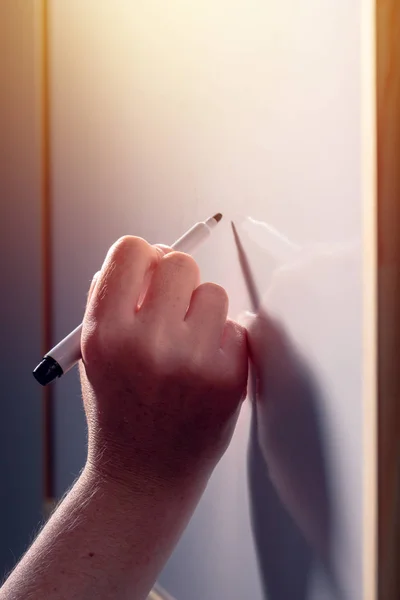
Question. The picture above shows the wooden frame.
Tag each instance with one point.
(388, 121)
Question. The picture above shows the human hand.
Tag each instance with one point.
(163, 371)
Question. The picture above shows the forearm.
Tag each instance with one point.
(163, 381)
(102, 542)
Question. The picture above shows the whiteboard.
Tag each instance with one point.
(164, 113)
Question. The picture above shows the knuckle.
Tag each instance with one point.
(127, 246)
(183, 261)
(100, 340)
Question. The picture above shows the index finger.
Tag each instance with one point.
(122, 278)
(163, 250)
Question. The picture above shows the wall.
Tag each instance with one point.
(163, 114)
(21, 493)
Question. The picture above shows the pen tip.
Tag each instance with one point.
(217, 217)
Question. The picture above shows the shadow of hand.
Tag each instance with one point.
(287, 435)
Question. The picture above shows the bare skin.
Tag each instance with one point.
(163, 381)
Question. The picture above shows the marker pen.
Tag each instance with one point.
(67, 353)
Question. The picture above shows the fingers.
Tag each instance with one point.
(207, 313)
(171, 287)
(234, 339)
(164, 249)
(162, 283)
(122, 278)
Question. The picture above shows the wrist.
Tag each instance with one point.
(150, 517)
(138, 490)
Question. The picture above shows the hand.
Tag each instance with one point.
(163, 375)
(164, 372)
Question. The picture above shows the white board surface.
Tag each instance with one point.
(164, 113)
